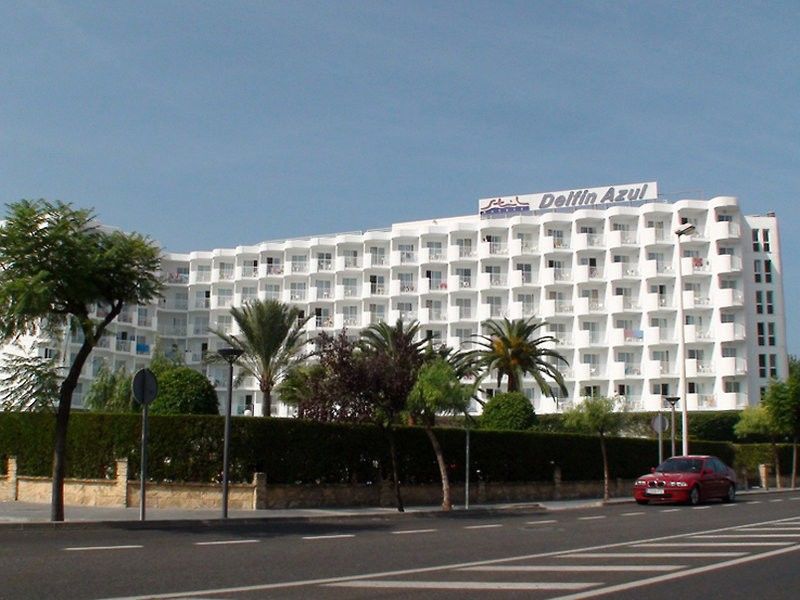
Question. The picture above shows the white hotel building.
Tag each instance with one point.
(611, 279)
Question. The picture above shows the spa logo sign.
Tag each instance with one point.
(601, 197)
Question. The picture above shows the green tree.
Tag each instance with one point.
(110, 391)
(782, 402)
(271, 340)
(510, 411)
(758, 421)
(56, 265)
(597, 416)
(392, 356)
(28, 382)
(184, 391)
(514, 349)
(437, 390)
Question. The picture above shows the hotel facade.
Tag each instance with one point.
(639, 311)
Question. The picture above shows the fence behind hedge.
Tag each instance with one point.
(189, 448)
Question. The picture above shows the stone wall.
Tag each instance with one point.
(260, 495)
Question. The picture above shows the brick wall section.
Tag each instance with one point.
(8, 482)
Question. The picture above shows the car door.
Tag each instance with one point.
(709, 479)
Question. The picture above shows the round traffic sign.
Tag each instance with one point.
(659, 424)
(145, 386)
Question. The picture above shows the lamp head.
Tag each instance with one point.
(230, 354)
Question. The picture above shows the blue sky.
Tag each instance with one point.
(217, 124)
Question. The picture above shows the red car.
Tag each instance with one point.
(690, 479)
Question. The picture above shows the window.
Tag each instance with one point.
(591, 391)
(759, 302)
(724, 218)
(727, 284)
(767, 271)
(760, 331)
(773, 365)
(771, 333)
(723, 250)
(691, 387)
(660, 389)
(727, 317)
(728, 352)
(731, 387)
(762, 365)
(770, 307)
(757, 270)
(765, 239)
(756, 244)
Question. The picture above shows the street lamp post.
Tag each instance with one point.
(673, 400)
(229, 355)
(686, 229)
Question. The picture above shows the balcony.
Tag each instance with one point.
(621, 239)
(556, 308)
(585, 306)
(588, 241)
(556, 275)
(729, 297)
(200, 276)
(692, 301)
(224, 275)
(398, 287)
(492, 311)
(460, 313)
(492, 249)
(656, 268)
(650, 236)
(344, 263)
(372, 261)
(588, 273)
(404, 257)
(729, 366)
(521, 310)
(550, 243)
(730, 332)
(125, 345)
(294, 295)
(223, 302)
(621, 304)
(622, 270)
(732, 401)
(658, 335)
(432, 255)
(518, 247)
(725, 230)
(347, 291)
(492, 280)
(322, 265)
(625, 337)
(405, 315)
(585, 338)
(460, 282)
(727, 263)
(432, 286)
(693, 335)
(248, 272)
(431, 315)
(320, 294)
(202, 303)
(655, 302)
(695, 266)
(298, 268)
(375, 289)
(654, 369)
(461, 253)
(517, 278)
(177, 278)
(586, 372)
(699, 368)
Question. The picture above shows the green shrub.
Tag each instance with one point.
(510, 411)
(183, 391)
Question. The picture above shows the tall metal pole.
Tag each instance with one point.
(672, 425)
(660, 441)
(143, 466)
(230, 355)
(466, 474)
(682, 346)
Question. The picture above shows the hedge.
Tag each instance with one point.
(189, 448)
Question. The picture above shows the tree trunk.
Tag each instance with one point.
(395, 474)
(794, 462)
(60, 436)
(266, 405)
(605, 468)
(777, 458)
(447, 504)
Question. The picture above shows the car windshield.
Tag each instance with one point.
(680, 465)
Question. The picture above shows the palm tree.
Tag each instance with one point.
(396, 356)
(516, 348)
(271, 339)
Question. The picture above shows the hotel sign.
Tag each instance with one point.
(584, 197)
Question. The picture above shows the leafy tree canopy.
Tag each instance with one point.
(110, 391)
(182, 390)
(510, 411)
(437, 391)
(596, 415)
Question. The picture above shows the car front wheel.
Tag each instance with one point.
(694, 496)
(731, 495)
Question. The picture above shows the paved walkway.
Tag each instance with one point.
(17, 513)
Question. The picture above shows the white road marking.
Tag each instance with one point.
(677, 575)
(492, 526)
(577, 568)
(795, 498)
(410, 531)
(82, 548)
(651, 554)
(541, 522)
(777, 500)
(591, 518)
(730, 505)
(709, 544)
(700, 507)
(467, 585)
(754, 502)
(746, 535)
(452, 566)
(225, 542)
(329, 537)
(670, 510)
(773, 529)
(633, 514)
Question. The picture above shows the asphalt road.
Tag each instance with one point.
(750, 548)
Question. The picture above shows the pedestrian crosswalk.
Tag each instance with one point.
(588, 572)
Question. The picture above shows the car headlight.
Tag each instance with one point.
(680, 483)
(640, 482)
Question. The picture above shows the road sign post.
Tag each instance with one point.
(145, 390)
(660, 425)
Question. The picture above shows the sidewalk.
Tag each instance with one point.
(23, 514)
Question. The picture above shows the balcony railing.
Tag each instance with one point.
(274, 269)
(177, 278)
(202, 276)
